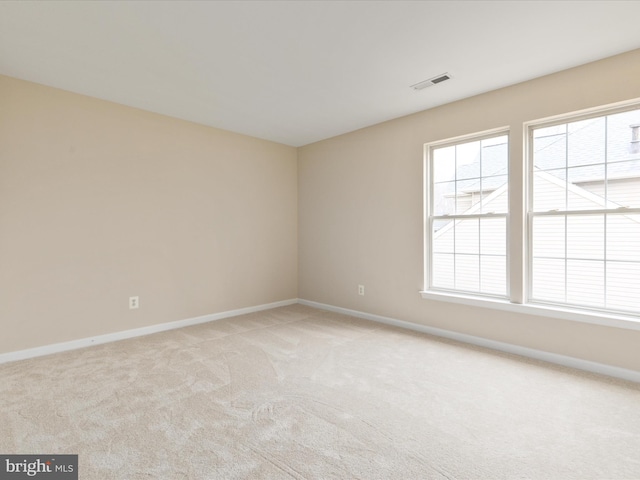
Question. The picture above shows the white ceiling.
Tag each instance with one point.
(300, 71)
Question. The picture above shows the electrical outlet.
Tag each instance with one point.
(360, 289)
(134, 302)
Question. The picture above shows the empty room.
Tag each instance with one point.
(320, 240)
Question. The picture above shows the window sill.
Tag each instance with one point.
(608, 320)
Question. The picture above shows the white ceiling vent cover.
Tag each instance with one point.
(431, 81)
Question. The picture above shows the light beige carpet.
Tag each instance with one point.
(300, 393)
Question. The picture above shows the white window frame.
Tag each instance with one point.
(429, 217)
(518, 275)
(531, 214)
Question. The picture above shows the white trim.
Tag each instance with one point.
(572, 362)
(584, 114)
(561, 312)
(136, 332)
(483, 135)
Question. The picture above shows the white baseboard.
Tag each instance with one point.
(563, 360)
(136, 332)
(558, 359)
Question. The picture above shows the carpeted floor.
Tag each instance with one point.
(301, 393)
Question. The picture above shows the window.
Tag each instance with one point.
(584, 212)
(467, 202)
(574, 233)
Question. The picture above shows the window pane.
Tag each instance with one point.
(548, 280)
(443, 238)
(586, 188)
(444, 198)
(602, 163)
(549, 190)
(467, 236)
(585, 282)
(623, 286)
(495, 194)
(549, 237)
(468, 195)
(550, 148)
(586, 142)
(493, 236)
(468, 160)
(495, 156)
(493, 275)
(623, 179)
(619, 135)
(623, 237)
(441, 223)
(585, 237)
(444, 164)
(442, 271)
(467, 273)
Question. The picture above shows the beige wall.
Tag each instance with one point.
(99, 202)
(360, 212)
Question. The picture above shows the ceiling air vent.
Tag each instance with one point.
(431, 81)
